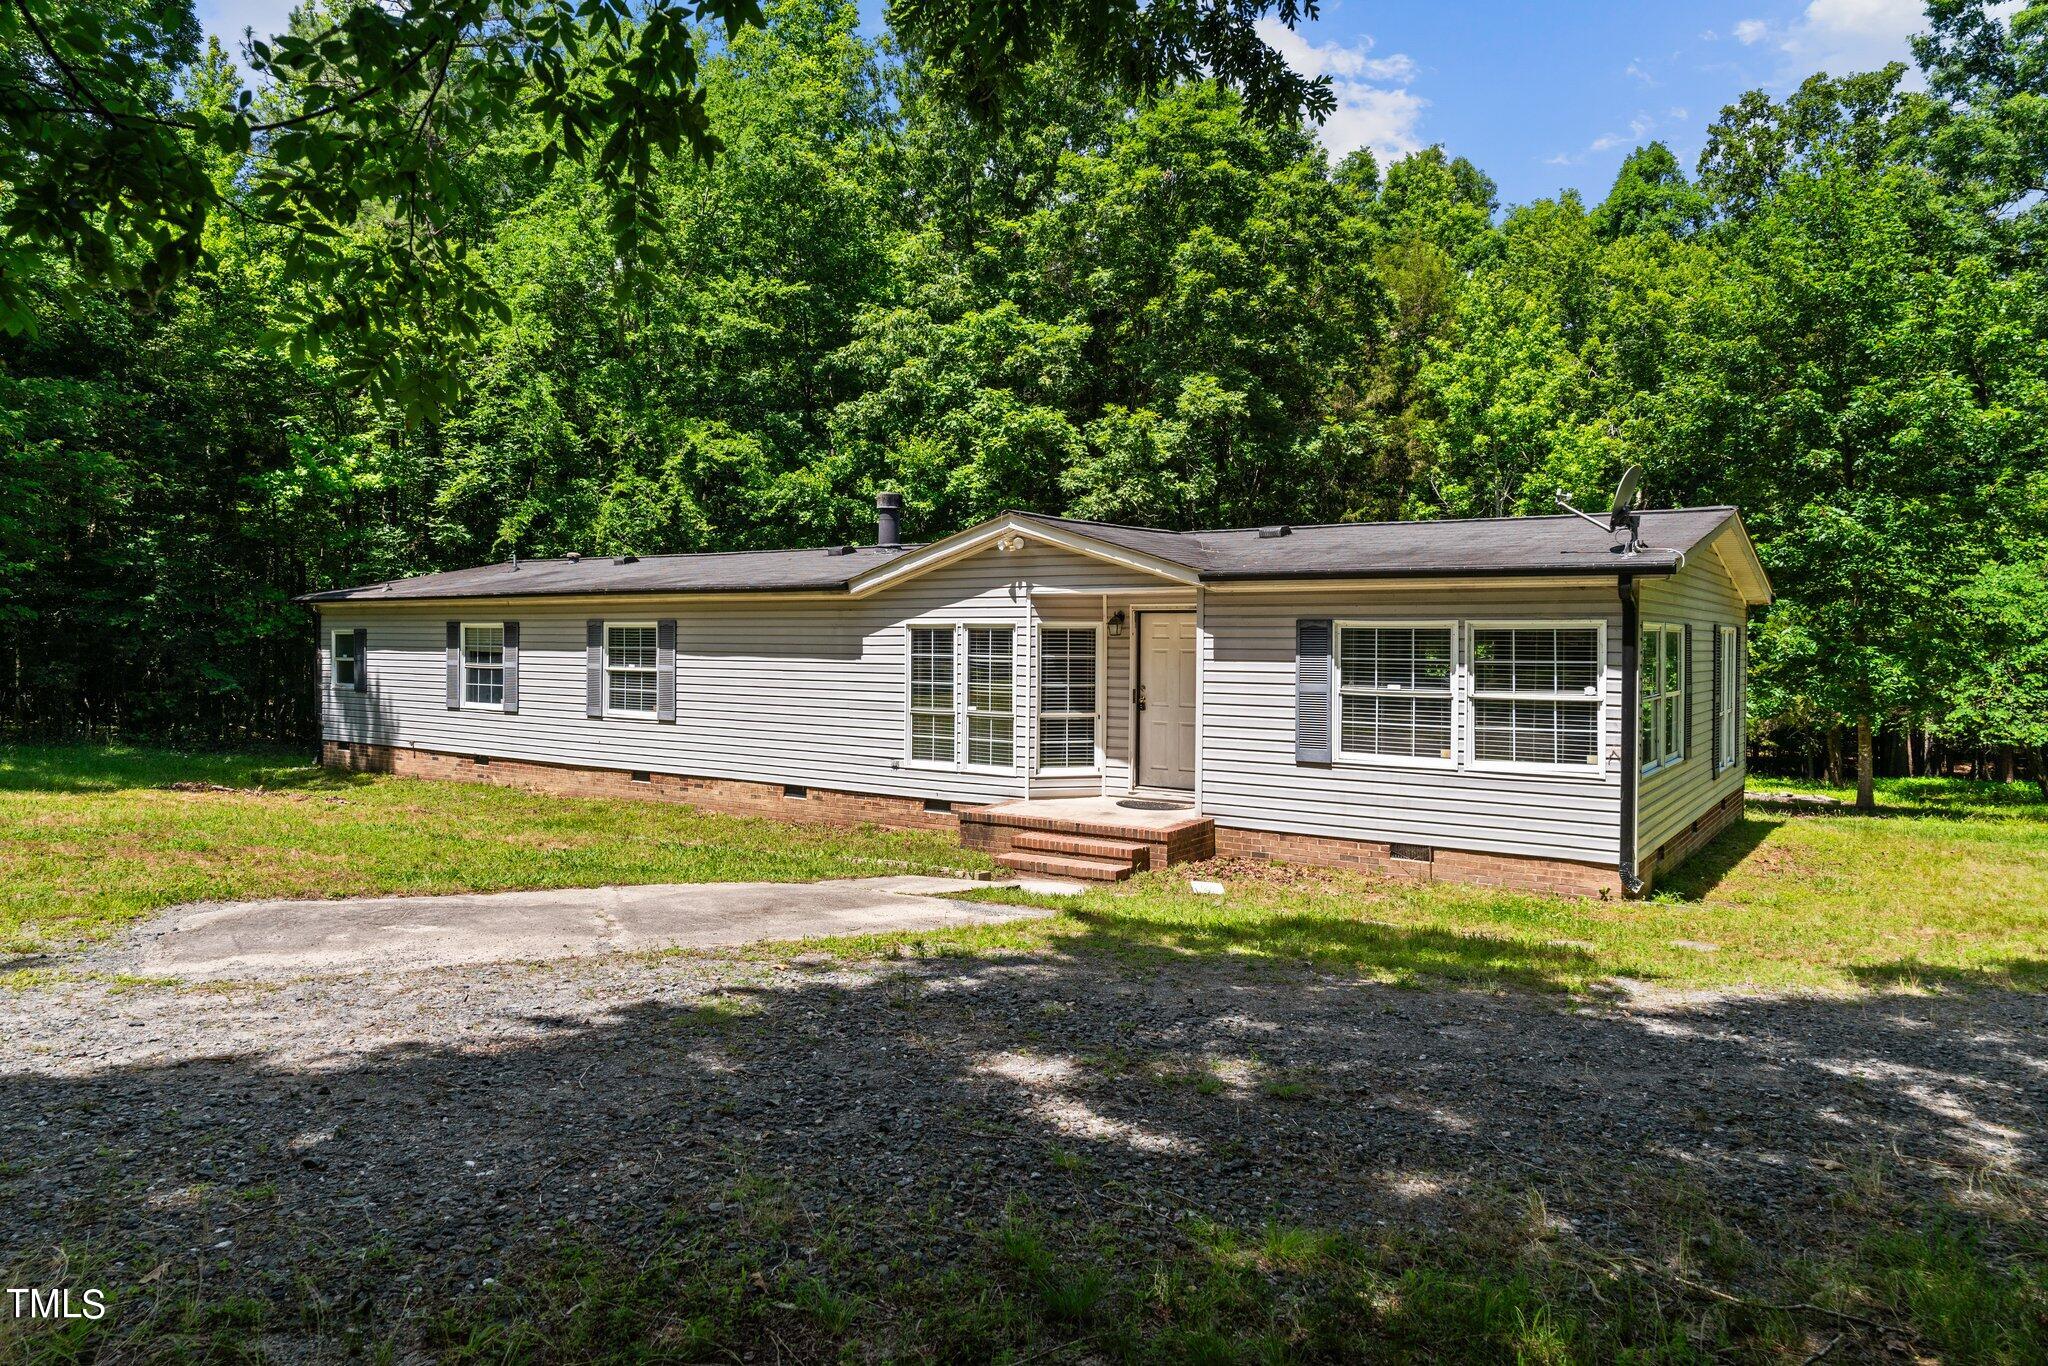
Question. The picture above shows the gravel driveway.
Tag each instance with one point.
(458, 1117)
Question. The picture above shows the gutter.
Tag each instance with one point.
(1631, 725)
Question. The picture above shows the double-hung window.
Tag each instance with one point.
(483, 664)
(963, 696)
(1662, 685)
(1535, 697)
(931, 694)
(1394, 683)
(1728, 659)
(991, 704)
(1661, 728)
(1068, 698)
(346, 664)
(631, 650)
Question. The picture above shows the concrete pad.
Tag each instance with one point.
(384, 934)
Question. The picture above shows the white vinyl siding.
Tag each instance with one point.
(1536, 696)
(1660, 733)
(1394, 685)
(932, 716)
(483, 664)
(345, 661)
(1672, 796)
(631, 655)
(1250, 779)
(1069, 697)
(1725, 685)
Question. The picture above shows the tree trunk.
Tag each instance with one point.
(2005, 763)
(1834, 759)
(1912, 760)
(1866, 767)
(2041, 770)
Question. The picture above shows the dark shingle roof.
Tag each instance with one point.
(1480, 547)
(740, 571)
(1473, 547)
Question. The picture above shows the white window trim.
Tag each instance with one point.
(463, 694)
(1726, 689)
(334, 659)
(910, 630)
(1020, 680)
(605, 660)
(1039, 714)
(1353, 759)
(1469, 695)
(1663, 760)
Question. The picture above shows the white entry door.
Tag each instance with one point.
(1166, 700)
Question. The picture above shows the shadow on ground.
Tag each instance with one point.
(347, 1148)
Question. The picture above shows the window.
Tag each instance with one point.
(1395, 688)
(1725, 688)
(1661, 729)
(483, 665)
(1536, 695)
(345, 661)
(629, 662)
(990, 705)
(931, 694)
(1068, 710)
(962, 681)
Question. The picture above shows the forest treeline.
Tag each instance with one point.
(1161, 313)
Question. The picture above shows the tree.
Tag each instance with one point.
(371, 112)
(1998, 693)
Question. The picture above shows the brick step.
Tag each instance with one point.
(1065, 865)
(1116, 851)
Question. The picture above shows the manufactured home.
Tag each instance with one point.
(1528, 702)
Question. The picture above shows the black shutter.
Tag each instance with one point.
(1685, 682)
(593, 668)
(1721, 662)
(362, 683)
(1312, 670)
(511, 698)
(454, 665)
(665, 669)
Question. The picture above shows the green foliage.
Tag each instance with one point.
(1156, 311)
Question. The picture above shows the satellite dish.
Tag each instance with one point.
(1624, 498)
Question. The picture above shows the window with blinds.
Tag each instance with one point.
(1069, 708)
(1394, 687)
(991, 705)
(1535, 696)
(630, 655)
(932, 722)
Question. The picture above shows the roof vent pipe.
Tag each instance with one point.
(889, 519)
(574, 557)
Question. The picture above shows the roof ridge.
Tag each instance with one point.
(1321, 526)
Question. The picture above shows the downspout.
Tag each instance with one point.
(1631, 724)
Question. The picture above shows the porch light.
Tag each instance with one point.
(1116, 622)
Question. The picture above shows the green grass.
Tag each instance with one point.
(1946, 886)
(92, 839)
(766, 1280)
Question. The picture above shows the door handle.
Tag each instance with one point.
(1138, 696)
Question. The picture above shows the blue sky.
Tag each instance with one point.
(1542, 97)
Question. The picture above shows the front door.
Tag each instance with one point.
(1166, 700)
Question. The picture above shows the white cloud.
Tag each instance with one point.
(1606, 142)
(1374, 109)
(1750, 32)
(1635, 69)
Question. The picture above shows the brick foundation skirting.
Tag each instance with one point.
(819, 806)
(1514, 872)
